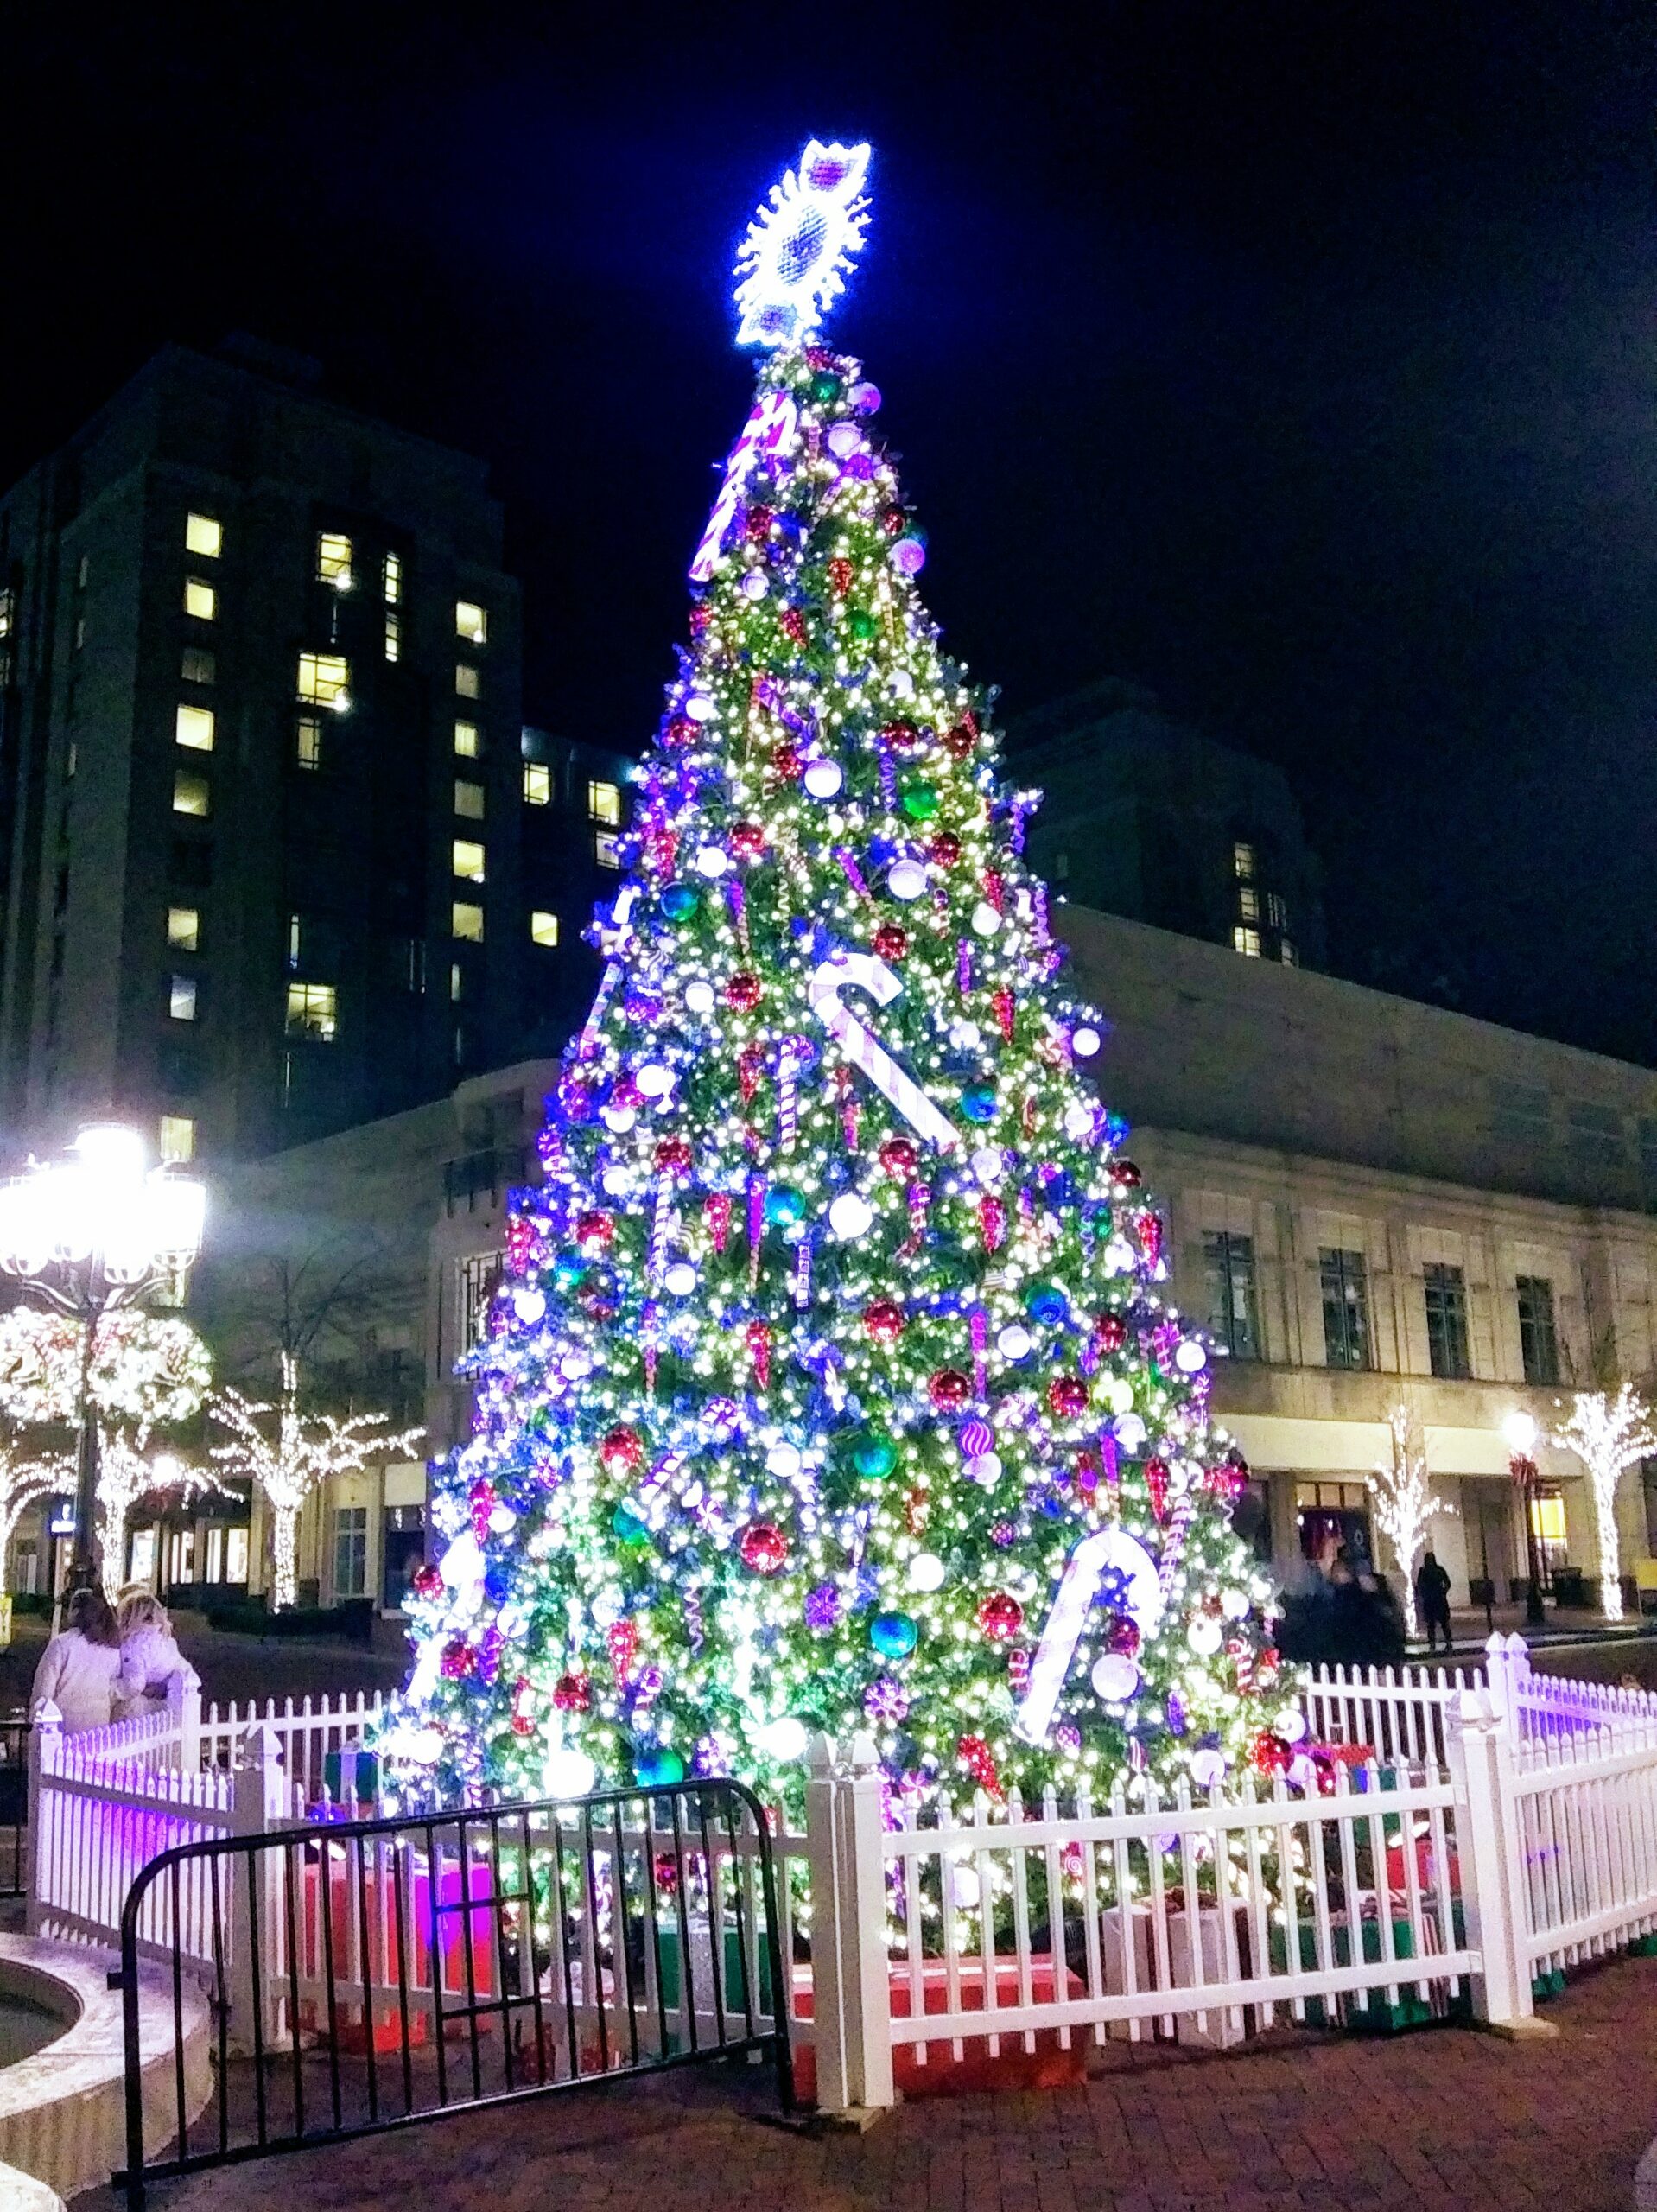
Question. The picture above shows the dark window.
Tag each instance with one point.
(1446, 1296)
(192, 862)
(198, 665)
(1539, 1340)
(1228, 1265)
(1346, 1307)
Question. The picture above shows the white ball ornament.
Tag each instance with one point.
(823, 779)
(907, 880)
(529, 1305)
(783, 1461)
(1014, 1341)
(989, 1165)
(1207, 1767)
(1078, 1120)
(784, 1739)
(712, 862)
(680, 1280)
(1129, 1431)
(1085, 1041)
(926, 1572)
(1233, 1604)
(501, 1518)
(698, 997)
(1190, 1357)
(849, 1216)
(568, 1774)
(1206, 1634)
(1115, 1677)
(654, 1080)
(985, 920)
(1291, 1724)
(619, 1118)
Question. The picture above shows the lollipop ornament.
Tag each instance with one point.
(801, 246)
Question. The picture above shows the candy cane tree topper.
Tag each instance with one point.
(1085, 1569)
(866, 972)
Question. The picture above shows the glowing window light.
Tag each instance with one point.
(801, 246)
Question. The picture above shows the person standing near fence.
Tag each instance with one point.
(80, 1667)
(150, 1659)
(1432, 1599)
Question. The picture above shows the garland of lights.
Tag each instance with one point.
(830, 1385)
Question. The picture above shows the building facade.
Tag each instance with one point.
(260, 768)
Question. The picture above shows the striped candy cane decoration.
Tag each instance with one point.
(865, 972)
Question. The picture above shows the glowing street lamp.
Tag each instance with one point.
(1519, 1430)
(88, 1235)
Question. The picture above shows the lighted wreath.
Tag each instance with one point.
(146, 1369)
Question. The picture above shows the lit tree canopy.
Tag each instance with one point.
(830, 1385)
(1609, 1435)
(1404, 1502)
(148, 1371)
(291, 1458)
(124, 1476)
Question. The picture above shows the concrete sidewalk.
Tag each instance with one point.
(1444, 2117)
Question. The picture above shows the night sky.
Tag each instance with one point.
(1299, 363)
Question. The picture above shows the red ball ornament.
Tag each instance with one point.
(595, 1229)
(574, 1694)
(840, 575)
(885, 1319)
(1001, 1616)
(899, 1158)
(622, 1452)
(679, 732)
(892, 520)
(1270, 1754)
(1110, 1332)
(744, 992)
(748, 840)
(762, 1547)
(673, 1156)
(1122, 1635)
(902, 737)
(785, 762)
(426, 1582)
(757, 527)
(975, 1754)
(946, 849)
(948, 1388)
(523, 1719)
(458, 1661)
(890, 940)
(1124, 1175)
(793, 623)
(962, 742)
(1067, 1397)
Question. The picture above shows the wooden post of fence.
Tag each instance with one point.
(1480, 1734)
(44, 1738)
(184, 1709)
(850, 2004)
(259, 1804)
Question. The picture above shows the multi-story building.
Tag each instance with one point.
(1369, 1202)
(1149, 819)
(261, 783)
(575, 815)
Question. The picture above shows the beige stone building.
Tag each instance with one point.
(1371, 1202)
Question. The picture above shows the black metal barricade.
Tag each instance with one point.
(14, 1807)
(366, 1975)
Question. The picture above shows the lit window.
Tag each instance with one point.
(198, 665)
(604, 849)
(193, 726)
(1242, 859)
(467, 684)
(190, 793)
(469, 799)
(296, 936)
(466, 922)
(537, 785)
(466, 741)
(333, 559)
(180, 998)
(203, 535)
(307, 741)
(313, 1011)
(80, 632)
(1248, 903)
(604, 803)
(543, 927)
(184, 928)
(1290, 957)
(177, 1139)
(454, 980)
(471, 622)
(6, 607)
(200, 599)
(1246, 942)
(393, 637)
(467, 858)
(83, 570)
(324, 680)
(1547, 1519)
(392, 580)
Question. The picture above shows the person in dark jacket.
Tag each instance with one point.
(1432, 1600)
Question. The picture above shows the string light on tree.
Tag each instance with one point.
(828, 1385)
(1609, 1435)
(1405, 1503)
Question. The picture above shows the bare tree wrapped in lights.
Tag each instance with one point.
(295, 1457)
(830, 1384)
(124, 1476)
(1609, 1435)
(27, 1477)
(1404, 1502)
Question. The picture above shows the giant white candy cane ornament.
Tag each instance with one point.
(863, 1048)
(771, 429)
(1091, 1559)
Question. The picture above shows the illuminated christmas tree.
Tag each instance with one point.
(828, 1385)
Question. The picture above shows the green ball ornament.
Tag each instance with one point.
(861, 625)
(921, 803)
(825, 387)
(627, 1526)
(785, 1206)
(894, 1635)
(658, 1770)
(679, 902)
(874, 1457)
(978, 1104)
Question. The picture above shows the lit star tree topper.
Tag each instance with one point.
(830, 1384)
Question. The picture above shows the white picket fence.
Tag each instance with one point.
(1480, 1833)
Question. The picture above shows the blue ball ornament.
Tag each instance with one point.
(1046, 1302)
(679, 902)
(628, 1527)
(978, 1104)
(784, 1205)
(894, 1635)
(658, 1770)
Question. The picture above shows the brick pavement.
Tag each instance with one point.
(1446, 2119)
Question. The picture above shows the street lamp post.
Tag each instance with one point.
(1520, 1430)
(88, 1235)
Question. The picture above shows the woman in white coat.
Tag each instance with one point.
(150, 1659)
(80, 1669)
